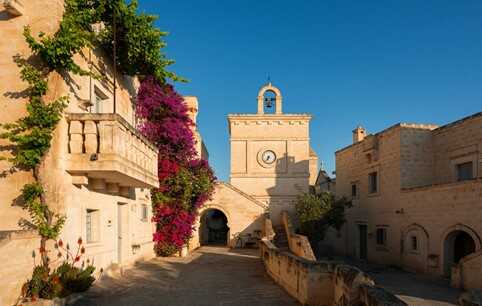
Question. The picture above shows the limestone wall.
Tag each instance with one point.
(119, 215)
(468, 273)
(278, 183)
(318, 283)
(419, 203)
(455, 143)
(244, 214)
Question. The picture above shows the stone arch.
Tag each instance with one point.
(451, 236)
(270, 88)
(244, 214)
(213, 227)
(215, 206)
(414, 257)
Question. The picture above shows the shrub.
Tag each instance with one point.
(186, 182)
(72, 275)
(318, 212)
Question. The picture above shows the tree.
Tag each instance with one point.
(318, 212)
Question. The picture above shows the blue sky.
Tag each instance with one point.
(349, 63)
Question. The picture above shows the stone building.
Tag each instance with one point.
(324, 182)
(271, 164)
(99, 169)
(193, 109)
(417, 198)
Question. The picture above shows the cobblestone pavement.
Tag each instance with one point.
(211, 276)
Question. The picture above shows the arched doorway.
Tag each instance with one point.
(213, 229)
(457, 245)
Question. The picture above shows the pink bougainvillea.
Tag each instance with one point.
(186, 182)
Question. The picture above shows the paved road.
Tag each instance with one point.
(211, 276)
(413, 289)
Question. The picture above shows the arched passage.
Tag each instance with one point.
(213, 227)
(457, 245)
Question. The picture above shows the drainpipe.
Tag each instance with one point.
(115, 59)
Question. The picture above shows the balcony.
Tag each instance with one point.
(107, 153)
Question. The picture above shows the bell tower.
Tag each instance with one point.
(270, 152)
(267, 101)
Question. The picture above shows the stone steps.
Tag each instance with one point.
(281, 239)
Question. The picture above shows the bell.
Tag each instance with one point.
(268, 102)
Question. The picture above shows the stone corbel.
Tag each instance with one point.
(14, 7)
(80, 179)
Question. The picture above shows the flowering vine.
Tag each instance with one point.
(186, 182)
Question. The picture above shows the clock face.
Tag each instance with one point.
(268, 157)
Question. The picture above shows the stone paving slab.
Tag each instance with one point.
(211, 276)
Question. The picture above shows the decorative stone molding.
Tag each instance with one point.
(14, 7)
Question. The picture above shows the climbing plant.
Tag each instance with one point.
(105, 24)
(186, 182)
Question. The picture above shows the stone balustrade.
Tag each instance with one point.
(106, 152)
(320, 283)
(298, 244)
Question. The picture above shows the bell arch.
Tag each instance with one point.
(278, 98)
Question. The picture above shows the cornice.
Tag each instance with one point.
(269, 117)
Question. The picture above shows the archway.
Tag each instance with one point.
(213, 228)
(457, 245)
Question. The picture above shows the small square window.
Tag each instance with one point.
(373, 182)
(145, 213)
(414, 243)
(465, 171)
(381, 236)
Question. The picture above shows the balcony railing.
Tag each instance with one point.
(106, 152)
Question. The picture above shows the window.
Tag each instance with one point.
(414, 243)
(99, 101)
(145, 212)
(373, 182)
(464, 171)
(92, 226)
(381, 236)
(354, 190)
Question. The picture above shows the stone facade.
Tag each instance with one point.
(193, 109)
(99, 169)
(271, 157)
(417, 196)
(244, 216)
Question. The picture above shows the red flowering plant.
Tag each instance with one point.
(72, 274)
(186, 182)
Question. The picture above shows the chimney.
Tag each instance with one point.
(192, 107)
(359, 134)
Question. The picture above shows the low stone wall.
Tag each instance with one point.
(16, 263)
(467, 274)
(298, 244)
(323, 283)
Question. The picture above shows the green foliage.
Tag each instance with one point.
(165, 249)
(75, 279)
(42, 284)
(48, 223)
(69, 277)
(139, 42)
(32, 134)
(318, 212)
